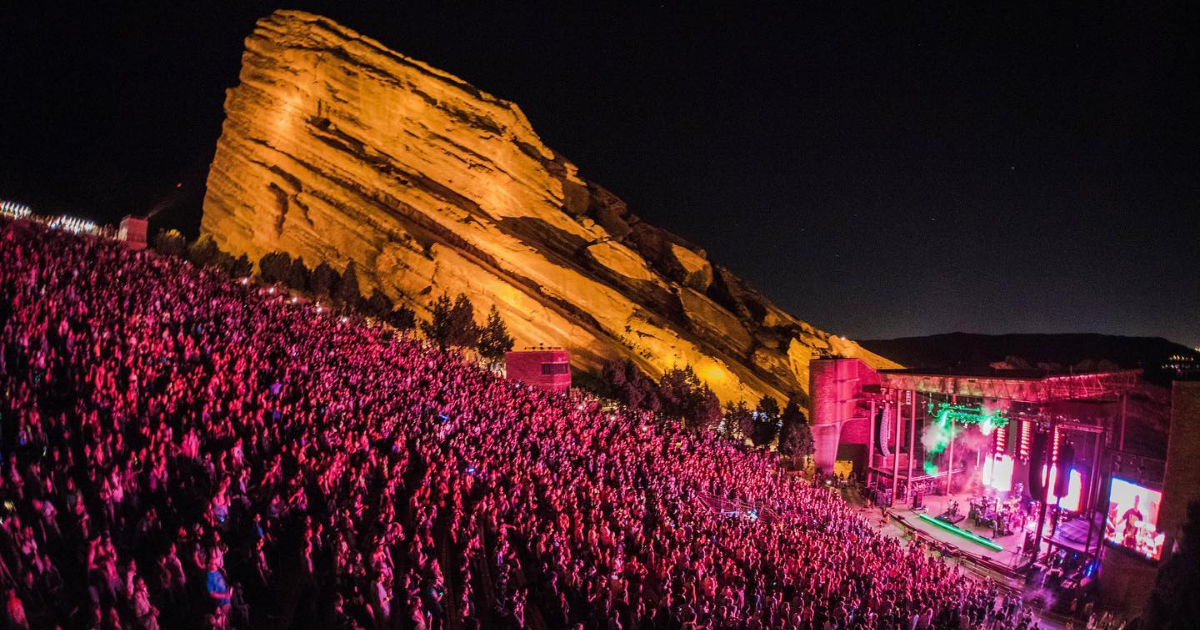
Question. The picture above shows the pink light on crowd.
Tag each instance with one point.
(333, 390)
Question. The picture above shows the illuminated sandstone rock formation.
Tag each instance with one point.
(335, 148)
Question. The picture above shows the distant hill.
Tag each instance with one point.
(966, 350)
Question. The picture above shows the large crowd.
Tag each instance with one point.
(181, 450)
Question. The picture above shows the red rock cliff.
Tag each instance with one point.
(336, 148)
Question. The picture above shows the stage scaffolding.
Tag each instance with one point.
(1052, 405)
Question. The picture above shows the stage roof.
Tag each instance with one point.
(1033, 386)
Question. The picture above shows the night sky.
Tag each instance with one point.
(879, 174)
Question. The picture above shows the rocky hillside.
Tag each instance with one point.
(336, 148)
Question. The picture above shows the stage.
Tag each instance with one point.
(1006, 556)
(1070, 535)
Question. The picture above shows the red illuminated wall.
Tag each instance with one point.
(856, 432)
(836, 408)
(133, 232)
(548, 369)
(1182, 479)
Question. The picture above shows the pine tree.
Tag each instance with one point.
(628, 384)
(494, 339)
(299, 277)
(464, 332)
(675, 387)
(378, 305)
(766, 421)
(739, 420)
(202, 251)
(685, 396)
(242, 267)
(437, 329)
(792, 411)
(170, 243)
(347, 291)
(274, 267)
(325, 280)
(613, 375)
(706, 409)
(403, 318)
(643, 392)
(795, 436)
(224, 261)
(767, 405)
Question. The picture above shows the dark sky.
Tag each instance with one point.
(878, 173)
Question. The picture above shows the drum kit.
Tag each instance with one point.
(1003, 517)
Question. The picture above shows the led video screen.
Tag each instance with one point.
(1133, 518)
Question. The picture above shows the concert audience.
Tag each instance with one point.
(181, 451)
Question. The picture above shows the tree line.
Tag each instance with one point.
(679, 394)
(452, 323)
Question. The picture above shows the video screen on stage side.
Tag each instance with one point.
(1133, 518)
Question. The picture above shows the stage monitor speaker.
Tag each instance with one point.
(1037, 459)
(1066, 459)
(884, 432)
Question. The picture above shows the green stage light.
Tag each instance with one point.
(986, 542)
(988, 420)
(943, 432)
